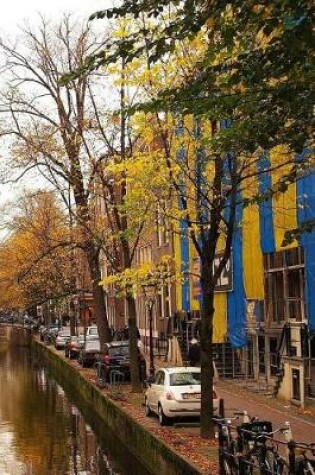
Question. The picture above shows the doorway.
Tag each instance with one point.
(296, 385)
(261, 355)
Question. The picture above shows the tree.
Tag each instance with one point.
(127, 214)
(255, 72)
(35, 264)
(52, 128)
(257, 66)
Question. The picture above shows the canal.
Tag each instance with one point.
(43, 431)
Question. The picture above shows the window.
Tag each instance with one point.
(144, 254)
(118, 351)
(284, 285)
(159, 378)
(296, 385)
(274, 356)
(185, 379)
(162, 235)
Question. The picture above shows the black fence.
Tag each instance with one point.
(159, 345)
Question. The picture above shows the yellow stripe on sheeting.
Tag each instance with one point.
(284, 215)
(253, 267)
(220, 317)
(283, 204)
(220, 305)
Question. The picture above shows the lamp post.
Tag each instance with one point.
(149, 291)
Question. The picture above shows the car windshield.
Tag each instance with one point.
(92, 337)
(93, 344)
(118, 351)
(185, 379)
(93, 331)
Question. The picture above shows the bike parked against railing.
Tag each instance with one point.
(262, 455)
(252, 449)
(304, 458)
(230, 447)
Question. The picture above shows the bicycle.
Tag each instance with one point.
(304, 465)
(227, 447)
(230, 449)
(262, 456)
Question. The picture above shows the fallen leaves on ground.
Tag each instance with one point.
(184, 440)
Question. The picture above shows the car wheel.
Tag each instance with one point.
(163, 420)
(147, 409)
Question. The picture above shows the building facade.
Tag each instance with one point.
(264, 322)
(264, 325)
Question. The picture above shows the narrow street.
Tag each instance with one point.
(238, 398)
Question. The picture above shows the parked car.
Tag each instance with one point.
(89, 351)
(34, 324)
(92, 331)
(72, 348)
(116, 357)
(48, 333)
(75, 345)
(62, 337)
(175, 392)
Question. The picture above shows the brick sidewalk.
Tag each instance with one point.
(275, 410)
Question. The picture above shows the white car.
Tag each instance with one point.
(92, 331)
(175, 392)
(62, 337)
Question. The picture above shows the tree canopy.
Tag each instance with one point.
(257, 67)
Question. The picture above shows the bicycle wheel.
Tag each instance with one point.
(229, 466)
(275, 464)
(251, 464)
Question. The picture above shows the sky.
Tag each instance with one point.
(15, 13)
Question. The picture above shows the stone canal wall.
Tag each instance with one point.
(151, 452)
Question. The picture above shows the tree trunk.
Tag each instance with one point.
(206, 357)
(98, 295)
(133, 345)
(72, 318)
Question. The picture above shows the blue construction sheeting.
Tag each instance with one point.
(236, 300)
(267, 238)
(306, 211)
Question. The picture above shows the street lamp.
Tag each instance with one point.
(149, 291)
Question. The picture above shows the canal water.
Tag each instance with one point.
(44, 432)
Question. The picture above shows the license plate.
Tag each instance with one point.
(192, 396)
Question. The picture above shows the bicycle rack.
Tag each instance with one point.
(101, 380)
(116, 377)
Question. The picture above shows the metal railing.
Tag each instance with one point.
(159, 345)
(251, 448)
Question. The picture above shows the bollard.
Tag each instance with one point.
(291, 447)
(221, 408)
(221, 452)
(221, 438)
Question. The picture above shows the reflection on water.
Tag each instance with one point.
(41, 432)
